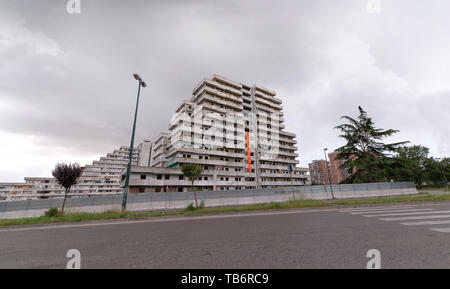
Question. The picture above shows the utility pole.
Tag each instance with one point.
(329, 173)
(130, 157)
(292, 182)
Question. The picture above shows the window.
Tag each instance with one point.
(159, 177)
(143, 177)
(180, 177)
(167, 177)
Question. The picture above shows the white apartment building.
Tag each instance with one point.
(234, 131)
(31, 188)
(103, 176)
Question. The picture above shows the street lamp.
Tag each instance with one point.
(130, 157)
(329, 174)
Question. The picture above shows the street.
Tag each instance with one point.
(407, 236)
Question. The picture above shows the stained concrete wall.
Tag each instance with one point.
(165, 201)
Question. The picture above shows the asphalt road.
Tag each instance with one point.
(415, 236)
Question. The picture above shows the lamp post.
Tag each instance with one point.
(329, 174)
(130, 157)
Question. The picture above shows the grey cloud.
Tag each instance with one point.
(322, 57)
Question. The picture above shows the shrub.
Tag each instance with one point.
(190, 207)
(52, 213)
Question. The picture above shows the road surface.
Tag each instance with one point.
(407, 236)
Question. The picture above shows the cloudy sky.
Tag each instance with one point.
(67, 94)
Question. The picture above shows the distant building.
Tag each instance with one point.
(103, 176)
(318, 172)
(338, 175)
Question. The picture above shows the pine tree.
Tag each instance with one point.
(365, 154)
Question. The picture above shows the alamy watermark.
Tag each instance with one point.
(373, 6)
(75, 259)
(201, 129)
(73, 6)
(375, 259)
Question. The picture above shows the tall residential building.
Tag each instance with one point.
(104, 175)
(318, 172)
(338, 174)
(234, 131)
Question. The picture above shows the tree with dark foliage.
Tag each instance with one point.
(409, 164)
(365, 154)
(66, 175)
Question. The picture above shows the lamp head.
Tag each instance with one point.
(137, 77)
(143, 84)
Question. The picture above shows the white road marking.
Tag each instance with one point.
(375, 208)
(426, 223)
(391, 211)
(415, 218)
(442, 230)
(408, 213)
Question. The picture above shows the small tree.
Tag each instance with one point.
(192, 172)
(66, 175)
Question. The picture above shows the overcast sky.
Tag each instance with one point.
(67, 92)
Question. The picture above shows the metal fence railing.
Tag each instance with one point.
(168, 199)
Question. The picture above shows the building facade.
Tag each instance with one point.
(319, 172)
(103, 176)
(234, 131)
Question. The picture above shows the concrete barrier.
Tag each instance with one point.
(166, 201)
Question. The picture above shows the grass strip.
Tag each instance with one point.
(422, 197)
(112, 215)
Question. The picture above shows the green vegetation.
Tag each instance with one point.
(432, 188)
(111, 215)
(192, 172)
(53, 216)
(368, 159)
(422, 197)
(53, 212)
(365, 155)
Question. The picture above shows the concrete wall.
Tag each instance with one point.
(164, 201)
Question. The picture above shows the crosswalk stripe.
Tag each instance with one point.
(426, 223)
(408, 213)
(442, 230)
(415, 218)
(375, 209)
(390, 211)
